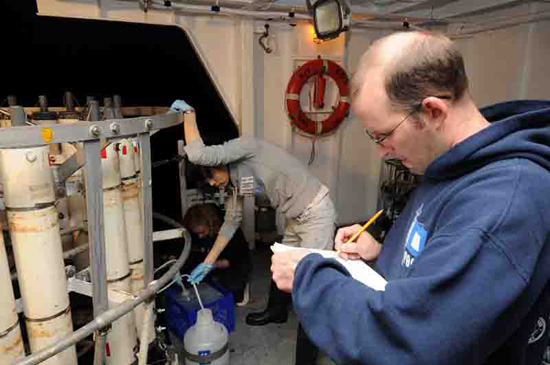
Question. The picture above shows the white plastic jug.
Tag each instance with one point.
(206, 342)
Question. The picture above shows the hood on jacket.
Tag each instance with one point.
(519, 129)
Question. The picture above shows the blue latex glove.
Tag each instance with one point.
(181, 105)
(198, 273)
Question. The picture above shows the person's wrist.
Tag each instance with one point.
(189, 116)
(373, 252)
(221, 264)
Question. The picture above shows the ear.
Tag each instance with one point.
(435, 112)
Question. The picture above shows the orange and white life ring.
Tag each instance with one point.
(294, 110)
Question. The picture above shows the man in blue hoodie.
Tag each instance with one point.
(468, 260)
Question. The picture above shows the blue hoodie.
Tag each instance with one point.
(467, 262)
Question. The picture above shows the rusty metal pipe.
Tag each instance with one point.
(66, 255)
(122, 337)
(34, 232)
(75, 251)
(112, 314)
(100, 344)
(11, 342)
(133, 221)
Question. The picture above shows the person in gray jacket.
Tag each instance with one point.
(250, 166)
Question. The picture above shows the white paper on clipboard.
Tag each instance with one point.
(357, 268)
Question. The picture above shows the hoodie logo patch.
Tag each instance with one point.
(540, 329)
(415, 242)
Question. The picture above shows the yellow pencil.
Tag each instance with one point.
(365, 226)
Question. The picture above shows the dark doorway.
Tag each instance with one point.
(145, 64)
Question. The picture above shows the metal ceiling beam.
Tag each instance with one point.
(247, 4)
(391, 7)
(465, 8)
(428, 6)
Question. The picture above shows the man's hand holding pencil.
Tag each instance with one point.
(283, 264)
(365, 246)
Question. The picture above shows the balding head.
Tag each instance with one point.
(412, 66)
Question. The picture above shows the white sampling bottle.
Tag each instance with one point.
(206, 342)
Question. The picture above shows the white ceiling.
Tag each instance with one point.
(481, 14)
(419, 8)
(435, 10)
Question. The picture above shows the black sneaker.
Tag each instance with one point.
(265, 317)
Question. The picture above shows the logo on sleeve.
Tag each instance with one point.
(415, 242)
(538, 332)
(247, 185)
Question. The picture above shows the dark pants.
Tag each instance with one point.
(233, 279)
(306, 351)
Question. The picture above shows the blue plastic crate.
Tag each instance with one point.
(179, 319)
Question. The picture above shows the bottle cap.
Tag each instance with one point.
(204, 316)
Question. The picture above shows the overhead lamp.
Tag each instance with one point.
(330, 17)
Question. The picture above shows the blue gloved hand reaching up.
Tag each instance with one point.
(181, 106)
(199, 273)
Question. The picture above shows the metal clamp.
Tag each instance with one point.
(103, 331)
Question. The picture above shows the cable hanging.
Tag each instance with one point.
(313, 153)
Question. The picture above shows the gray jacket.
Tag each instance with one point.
(257, 167)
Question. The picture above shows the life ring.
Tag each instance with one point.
(298, 118)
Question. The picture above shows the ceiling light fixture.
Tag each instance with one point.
(330, 17)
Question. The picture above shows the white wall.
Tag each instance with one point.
(509, 63)
(345, 161)
(502, 64)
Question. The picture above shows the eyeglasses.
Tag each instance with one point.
(380, 137)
